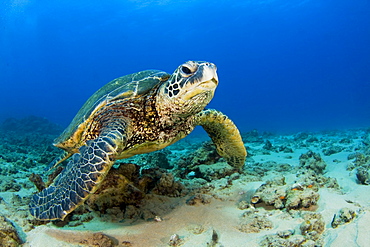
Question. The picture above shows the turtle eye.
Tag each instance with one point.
(186, 70)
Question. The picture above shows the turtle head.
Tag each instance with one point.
(188, 90)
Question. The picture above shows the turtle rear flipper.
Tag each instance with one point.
(224, 135)
(81, 177)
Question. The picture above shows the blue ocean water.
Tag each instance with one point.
(283, 65)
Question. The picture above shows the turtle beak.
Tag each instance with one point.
(209, 80)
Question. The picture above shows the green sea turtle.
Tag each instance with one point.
(135, 114)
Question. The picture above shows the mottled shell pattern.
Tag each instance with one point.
(125, 87)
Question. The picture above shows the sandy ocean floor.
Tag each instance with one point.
(302, 189)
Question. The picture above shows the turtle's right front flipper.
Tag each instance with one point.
(225, 135)
(55, 162)
(82, 175)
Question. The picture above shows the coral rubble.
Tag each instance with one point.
(312, 161)
(277, 193)
(345, 215)
(312, 226)
(273, 200)
(255, 223)
(8, 234)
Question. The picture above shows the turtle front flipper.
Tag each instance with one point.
(224, 135)
(65, 155)
(82, 175)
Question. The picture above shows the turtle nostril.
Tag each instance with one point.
(212, 65)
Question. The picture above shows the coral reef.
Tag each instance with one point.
(127, 194)
(276, 193)
(118, 189)
(360, 159)
(286, 240)
(252, 137)
(204, 163)
(199, 198)
(260, 169)
(8, 184)
(311, 229)
(312, 161)
(298, 197)
(255, 223)
(301, 136)
(158, 159)
(25, 144)
(312, 226)
(8, 234)
(273, 192)
(196, 228)
(31, 124)
(124, 186)
(366, 139)
(311, 179)
(144, 189)
(361, 163)
(99, 239)
(363, 175)
(282, 148)
(345, 215)
(16, 209)
(268, 145)
(332, 150)
(215, 171)
(206, 154)
(167, 185)
(175, 240)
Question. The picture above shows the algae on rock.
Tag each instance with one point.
(345, 215)
(277, 193)
(312, 161)
(8, 234)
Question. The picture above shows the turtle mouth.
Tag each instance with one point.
(209, 85)
(201, 88)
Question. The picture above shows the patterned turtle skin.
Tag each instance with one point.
(135, 114)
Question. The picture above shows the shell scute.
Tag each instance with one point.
(125, 87)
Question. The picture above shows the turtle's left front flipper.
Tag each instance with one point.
(224, 135)
(82, 175)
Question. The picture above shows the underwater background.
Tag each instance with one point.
(283, 65)
(294, 77)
